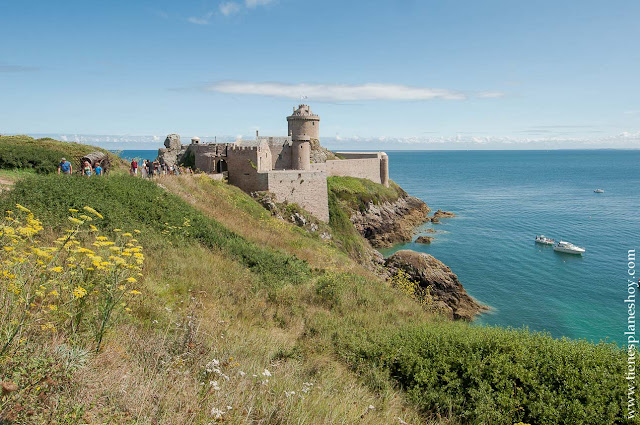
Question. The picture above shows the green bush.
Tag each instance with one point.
(42, 155)
(488, 375)
(131, 202)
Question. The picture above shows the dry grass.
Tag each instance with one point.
(231, 207)
(201, 308)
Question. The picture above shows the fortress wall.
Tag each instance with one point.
(358, 155)
(367, 168)
(242, 163)
(205, 162)
(280, 156)
(305, 188)
(318, 166)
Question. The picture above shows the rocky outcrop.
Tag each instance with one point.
(173, 150)
(390, 222)
(443, 214)
(424, 239)
(319, 153)
(443, 284)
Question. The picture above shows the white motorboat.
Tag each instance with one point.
(599, 191)
(544, 240)
(568, 248)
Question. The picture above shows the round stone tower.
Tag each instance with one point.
(303, 122)
(301, 153)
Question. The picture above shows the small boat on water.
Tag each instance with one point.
(544, 240)
(568, 247)
(599, 191)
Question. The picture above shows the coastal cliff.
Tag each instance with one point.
(392, 222)
(449, 295)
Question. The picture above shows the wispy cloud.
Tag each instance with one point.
(335, 92)
(490, 94)
(229, 8)
(17, 68)
(632, 112)
(200, 20)
(255, 3)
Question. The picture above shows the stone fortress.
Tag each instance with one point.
(293, 168)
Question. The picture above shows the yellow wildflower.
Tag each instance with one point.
(85, 217)
(134, 292)
(75, 220)
(127, 234)
(136, 231)
(53, 293)
(79, 292)
(93, 228)
(73, 210)
(21, 208)
(57, 269)
(92, 211)
(132, 280)
(117, 230)
(53, 307)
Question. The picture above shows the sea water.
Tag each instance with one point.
(502, 199)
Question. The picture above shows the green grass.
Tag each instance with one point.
(138, 203)
(43, 155)
(358, 193)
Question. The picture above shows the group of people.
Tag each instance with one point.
(155, 168)
(88, 170)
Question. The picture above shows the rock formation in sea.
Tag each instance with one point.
(448, 293)
(391, 222)
(424, 239)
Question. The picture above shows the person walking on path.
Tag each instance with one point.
(98, 169)
(86, 169)
(65, 167)
(134, 167)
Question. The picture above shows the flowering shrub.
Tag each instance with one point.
(72, 287)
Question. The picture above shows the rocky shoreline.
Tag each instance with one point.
(449, 296)
(391, 222)
(395, 222)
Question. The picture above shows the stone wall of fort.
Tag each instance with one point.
(244, 163)
(305, 188)
(365, 168)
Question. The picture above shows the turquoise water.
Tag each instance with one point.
(503, 199)
(138, 154)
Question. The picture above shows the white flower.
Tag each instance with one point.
(372, 407)
(241, 373)
(229, 407)
(289, 393)
(214, 385)
(216, 413)
(266, 373)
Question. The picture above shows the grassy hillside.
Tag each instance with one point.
(43, 155)
(243, 318)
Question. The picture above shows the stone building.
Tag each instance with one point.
(282, 165)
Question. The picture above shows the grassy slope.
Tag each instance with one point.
(43, 155)
(243, 285)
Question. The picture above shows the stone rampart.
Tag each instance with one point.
(305, 188)
(366, 168)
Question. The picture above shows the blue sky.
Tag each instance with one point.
(400, 74)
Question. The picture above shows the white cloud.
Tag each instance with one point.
(490, 94)
(632, 112)
(202, 20)
(229, 8)
(255, 3)
(335, 92)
